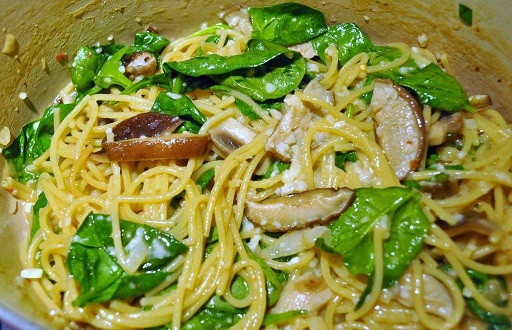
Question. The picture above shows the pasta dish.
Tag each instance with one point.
(268, 171)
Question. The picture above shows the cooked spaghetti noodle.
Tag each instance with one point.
(470, 228)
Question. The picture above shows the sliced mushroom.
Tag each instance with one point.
(437, 299)
(306, 292)
(230, 135)
(440, 190)
(472, 223)
(399, 126)
(480, 101)
(139, 64)
(173, 146)
(445, 125)
(147, 124)
(280, 214)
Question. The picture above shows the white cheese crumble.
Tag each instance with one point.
(423, 40)
(23, 96)
(32, 273)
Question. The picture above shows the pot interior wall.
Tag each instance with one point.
(479, 55)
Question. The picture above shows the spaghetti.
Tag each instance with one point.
(465, 258)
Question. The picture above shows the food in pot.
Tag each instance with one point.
(306, 191)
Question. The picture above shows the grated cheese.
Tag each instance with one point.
(32, 273)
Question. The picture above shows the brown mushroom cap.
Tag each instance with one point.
(147, 124)
(141, 64)
(399, 126)
(279, 214)
(173, 146)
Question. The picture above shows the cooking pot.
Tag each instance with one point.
(47, 34)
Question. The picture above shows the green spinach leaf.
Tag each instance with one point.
(433, 86)
(149, 42)
(92, 261)
(274, 286)
(85, 66)
(265, 71)
(41, 202)
(109, 74)
(179, 105)
(437, 89)
(349, 39)
(287, 23)
(34, 139)
(396, 208)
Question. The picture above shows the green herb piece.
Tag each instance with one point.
(41, 202)
(161, 80)
(287, 23)
(34, 139)
(395, 208)
(206, 178)
(282, 317)
(466, 14)
(246, 109)
(92, 261)
(349, 39)
(275, 168)
(274, 286)
(341, 157)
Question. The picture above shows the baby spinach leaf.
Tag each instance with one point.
(179, 105)
(92, 261)
(109, 74)
(258, 53)
(433, 86)
(274, 286)
(272, 81)
(494, 288)
(437, 89)
(395, 208)
(149, 42)
(265, 71)
(349, 39)
(41, 202)
(34, 139)
(215, 316)
(287, 23)
(85, 66)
